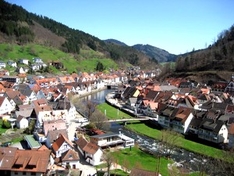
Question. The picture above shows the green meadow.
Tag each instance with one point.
(85, 61)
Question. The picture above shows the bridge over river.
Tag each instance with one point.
(129, 119)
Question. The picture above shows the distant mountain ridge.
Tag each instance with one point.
(153, 52)
(18, 26)
(156, 53)
(116, 42)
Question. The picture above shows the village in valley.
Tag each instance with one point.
(42, 105)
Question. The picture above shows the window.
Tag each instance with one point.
(33, 173)
(24, 173)
(16, 173)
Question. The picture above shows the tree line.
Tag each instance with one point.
(218, 56)
(16, 23)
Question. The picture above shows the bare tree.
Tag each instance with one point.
(86, 108)
(169, 140)
(100, 120)
(109, 159)
(90, 108)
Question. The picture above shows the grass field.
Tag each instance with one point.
(183, 143)
(85, 61)
(137, 158)
(112, 112)
(141, 128)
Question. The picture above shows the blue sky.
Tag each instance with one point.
(177, 26)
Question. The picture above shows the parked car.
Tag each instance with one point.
(6, 144)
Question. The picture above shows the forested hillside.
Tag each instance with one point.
(217, 57)
(21, 27)
(156, 53)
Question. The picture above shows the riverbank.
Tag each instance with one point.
(144, 129)
(82, 95)
(196, 156)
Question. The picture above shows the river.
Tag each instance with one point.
(186, 159)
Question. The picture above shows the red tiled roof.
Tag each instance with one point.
(29, 160)
(70, 155)
(91, 148)
(54, 125)
(81, 142)
(58, 143)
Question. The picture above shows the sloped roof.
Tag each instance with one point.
(151, 95)
(7, 157)
(81, 142)
(30, 160)
(129, 92)
(38, 160)
(24, 113)
(211, 125)
(41, 105)
(54, 134)
(181, 113)
(54, 125)
(58, 143)
(91, 148)
(70, 155)
(12, 93)
(24, 89)
(32, 142)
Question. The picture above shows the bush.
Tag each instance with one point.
(6, 124)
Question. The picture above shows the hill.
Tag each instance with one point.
(17, 26)
(114, 41)
(156, 53)
(217, 57)
(86, 61)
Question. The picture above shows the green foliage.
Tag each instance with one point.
(111, 112)
(133, 59)
(137, 158)
(99, 67)
(17, 24)
(88, 62)
(181, 142)
(31, 127)
(92, 45)
(10, 17)
(18, 139)
(217, 57)
(2, 130)
(6, 124)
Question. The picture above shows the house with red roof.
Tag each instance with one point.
(64, 152)
(16, 161)
(65, 79)
(61, 145)
(90, 151)
(176, 118)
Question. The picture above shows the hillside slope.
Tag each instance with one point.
(21, 27)
(217, 57)
(114, 41)
(156, 53)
